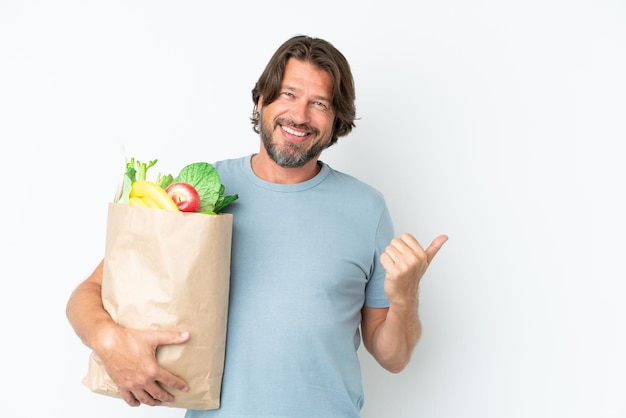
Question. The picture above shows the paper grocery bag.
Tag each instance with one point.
(168, 270)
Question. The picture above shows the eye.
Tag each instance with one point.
(320, 105)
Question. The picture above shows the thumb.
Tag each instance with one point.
(171, 337)
(434, 247)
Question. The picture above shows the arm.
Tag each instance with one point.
(129, 356)
(391, 334)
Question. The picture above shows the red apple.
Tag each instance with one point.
(185, 196)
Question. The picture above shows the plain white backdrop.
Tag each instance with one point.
(499, 123)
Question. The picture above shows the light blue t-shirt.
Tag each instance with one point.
(305, 259)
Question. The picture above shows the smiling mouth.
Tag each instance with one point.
(294, 132)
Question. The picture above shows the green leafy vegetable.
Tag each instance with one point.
(205, 179)
(135, 170)
(201, 175)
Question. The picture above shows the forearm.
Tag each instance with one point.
(86, 313)
(129, 356)
(392, 334)
(395, 336)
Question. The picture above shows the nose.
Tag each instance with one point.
(299, 111)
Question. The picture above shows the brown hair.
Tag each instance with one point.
(323, 55)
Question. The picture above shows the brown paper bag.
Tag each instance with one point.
(166, 270)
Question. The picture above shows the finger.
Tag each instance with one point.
(158, 394)
(129, 398)
(169, 380)
(408, 241)
(393, 252)
(386, 261)
(166, 337)
(402, 244)
(435, 246)
(148, 399)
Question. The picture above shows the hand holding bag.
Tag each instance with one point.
(170, 270)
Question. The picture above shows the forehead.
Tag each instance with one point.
(305, 77)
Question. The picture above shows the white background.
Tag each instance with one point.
(499, 123)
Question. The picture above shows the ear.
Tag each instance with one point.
(259, 103)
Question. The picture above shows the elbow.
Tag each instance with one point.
(397, 360)
(394, 362)
(396, 367)
(396, 370)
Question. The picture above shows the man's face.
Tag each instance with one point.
(297, 126)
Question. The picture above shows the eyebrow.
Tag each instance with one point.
(317, 97)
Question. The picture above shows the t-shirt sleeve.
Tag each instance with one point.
(374, 291)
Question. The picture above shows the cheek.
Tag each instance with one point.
(271, 111)
(325, 123)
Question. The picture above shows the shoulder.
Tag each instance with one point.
(229, 164)
(352, 185)
(232, 167)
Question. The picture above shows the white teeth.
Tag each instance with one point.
(292, 132)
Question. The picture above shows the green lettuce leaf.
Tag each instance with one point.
(205, 179)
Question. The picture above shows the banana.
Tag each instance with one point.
(150, 191)
(137, 201)
(150, 203)
(145, 202)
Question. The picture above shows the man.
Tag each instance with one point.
(315, 264)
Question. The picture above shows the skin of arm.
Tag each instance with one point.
(129, 356)
(390, 334)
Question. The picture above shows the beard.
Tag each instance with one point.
(290, 154)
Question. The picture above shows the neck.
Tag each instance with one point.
(266, 169)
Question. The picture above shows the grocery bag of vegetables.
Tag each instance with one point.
(167, 267)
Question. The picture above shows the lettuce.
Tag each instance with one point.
(202, 176)
(205, 179)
